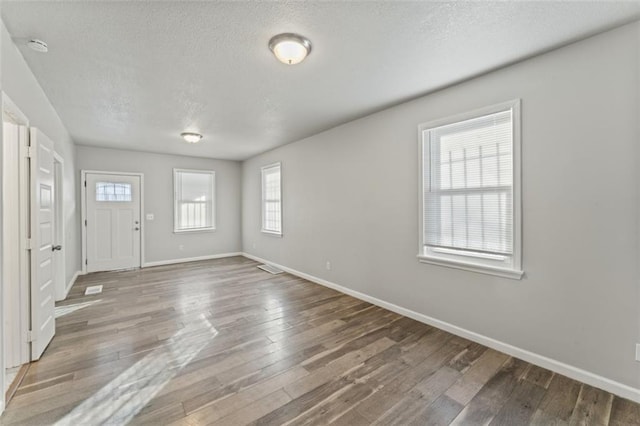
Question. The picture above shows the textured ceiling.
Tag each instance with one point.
(133, 75)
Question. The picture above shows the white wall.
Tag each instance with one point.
(2, 291)
(19, 83)
(161, 243)
(351, 197)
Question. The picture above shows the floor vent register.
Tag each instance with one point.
(271, 269)
(93, 289)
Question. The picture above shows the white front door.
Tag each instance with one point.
(43, 321)
(113, 221)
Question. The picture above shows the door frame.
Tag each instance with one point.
(60, 258)
(13, 112)
(83, 203)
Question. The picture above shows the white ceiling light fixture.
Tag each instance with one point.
(191, 137)
(38, 45)
(290, 48)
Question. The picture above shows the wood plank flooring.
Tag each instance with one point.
(223, 342)
(13, 377)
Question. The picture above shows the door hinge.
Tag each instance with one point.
(85, 183)
(30, 152)
(85, 222)
(29, 336)
(29, 244)
(86, 262)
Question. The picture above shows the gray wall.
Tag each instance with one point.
(19, 83)
(351, 197)
(160, 241)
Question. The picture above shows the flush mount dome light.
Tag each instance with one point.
(191, 137)
(38, 45)
(290, 48)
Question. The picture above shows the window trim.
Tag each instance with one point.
(262, 200)
(214, 203)
(473, 263)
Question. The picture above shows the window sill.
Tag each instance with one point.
(473, 267)
(191, 231)
(272, 233)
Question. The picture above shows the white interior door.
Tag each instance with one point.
(113, 222)
(43, 325)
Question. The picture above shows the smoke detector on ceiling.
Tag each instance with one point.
(38, 45)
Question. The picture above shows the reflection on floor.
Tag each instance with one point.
(62, 310)
(126, 395)
(222, 342)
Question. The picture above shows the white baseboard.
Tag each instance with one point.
(189, 259)
(71, 282)
(570, 371)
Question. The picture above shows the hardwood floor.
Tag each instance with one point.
(13, 377)
(223, 342)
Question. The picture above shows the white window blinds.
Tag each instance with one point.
(468, 185)
(271, 199)
(194, 202)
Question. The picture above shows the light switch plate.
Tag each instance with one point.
(150, 216)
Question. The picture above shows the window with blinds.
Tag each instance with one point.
(469, 191)
(272, 199)
(194, 200)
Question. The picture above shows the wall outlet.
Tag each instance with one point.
(637, 351)
(328, 265)
(150, 216)
(181, 247)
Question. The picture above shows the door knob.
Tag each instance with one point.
(54, 248)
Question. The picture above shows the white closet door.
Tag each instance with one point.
(42, 233)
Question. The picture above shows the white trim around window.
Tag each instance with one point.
(194, 200)
(441, 189)
(271, 189)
